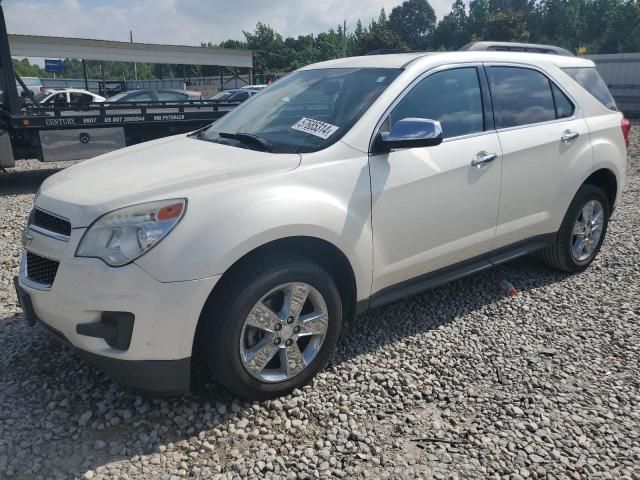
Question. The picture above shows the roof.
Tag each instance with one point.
(91, 49)
(403, 60)
(68, 89)
(395, 60)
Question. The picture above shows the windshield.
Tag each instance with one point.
(306, 111)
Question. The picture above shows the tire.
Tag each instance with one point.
(561, 255)
(252, 296)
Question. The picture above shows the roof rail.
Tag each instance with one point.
(515, 47)
(387, 51)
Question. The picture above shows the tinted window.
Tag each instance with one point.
(80, 98)
(239, 97)
(564, 107)
(140, 97)
(171, 96)
(452, 97)
(590, 80)
(59, 99)
(520, 96)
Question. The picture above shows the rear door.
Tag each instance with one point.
(545, 145)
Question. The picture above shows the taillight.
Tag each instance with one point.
(626, 130)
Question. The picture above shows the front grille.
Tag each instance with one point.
(40, 269)
(49, 222)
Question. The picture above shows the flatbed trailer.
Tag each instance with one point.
(80, 131)
(77, 132)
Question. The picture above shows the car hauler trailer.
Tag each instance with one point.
(80, 131)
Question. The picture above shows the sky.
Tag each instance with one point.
(188, 22)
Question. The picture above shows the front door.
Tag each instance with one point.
(431, 208)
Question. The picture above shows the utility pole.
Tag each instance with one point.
(344, 39)
(135, 64)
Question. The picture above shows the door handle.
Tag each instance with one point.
(483, 157)
(568, 135)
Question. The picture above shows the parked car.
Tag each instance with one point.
(32, 83)
(222, 96)
(257, 87)
(64, 96)
(249, 243)
(234, 96)
(164, 95)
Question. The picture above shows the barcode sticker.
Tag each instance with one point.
(315, 127)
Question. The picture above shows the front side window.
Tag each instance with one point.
(451, 96)
(306, 111)
(521, 96)
(59, 99)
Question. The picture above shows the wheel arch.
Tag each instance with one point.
(320, 251)
(605, 179)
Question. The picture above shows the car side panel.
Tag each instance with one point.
(609, 150)
(540, 176)
(327, 197)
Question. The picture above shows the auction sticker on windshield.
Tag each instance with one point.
(315, 127)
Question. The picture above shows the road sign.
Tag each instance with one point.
(53, 66)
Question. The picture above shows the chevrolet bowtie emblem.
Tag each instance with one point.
(26, 239)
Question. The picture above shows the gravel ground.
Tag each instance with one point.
(458, 382)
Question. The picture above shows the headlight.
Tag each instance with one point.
(121, 236)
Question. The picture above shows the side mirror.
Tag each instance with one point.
(411, 133)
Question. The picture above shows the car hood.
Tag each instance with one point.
(165, 168)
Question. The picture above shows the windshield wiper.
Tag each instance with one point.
(249, 138)
(199, 133)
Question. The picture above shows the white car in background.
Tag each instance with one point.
(343, 186)
(61, 97)
(32, 83)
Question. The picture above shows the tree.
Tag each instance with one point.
(414, 23)
(379, 36)
(267, 45)
(453, 30)
(24, 68)
(508, 26)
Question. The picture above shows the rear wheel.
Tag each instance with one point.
(273, 327)
(582, 231)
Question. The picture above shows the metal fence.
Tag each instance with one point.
(621, 73)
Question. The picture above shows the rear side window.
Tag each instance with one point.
(564, 107)
(521, 96)
(590, 80)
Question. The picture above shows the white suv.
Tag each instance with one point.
(345, 185)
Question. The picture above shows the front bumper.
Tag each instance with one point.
(153, 376)
(157, 356)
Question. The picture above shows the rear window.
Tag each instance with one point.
(590, 80)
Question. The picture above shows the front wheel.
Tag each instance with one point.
(582, 231)
(273, 327)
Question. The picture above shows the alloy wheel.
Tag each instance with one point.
(283, 332)
(587, 231)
